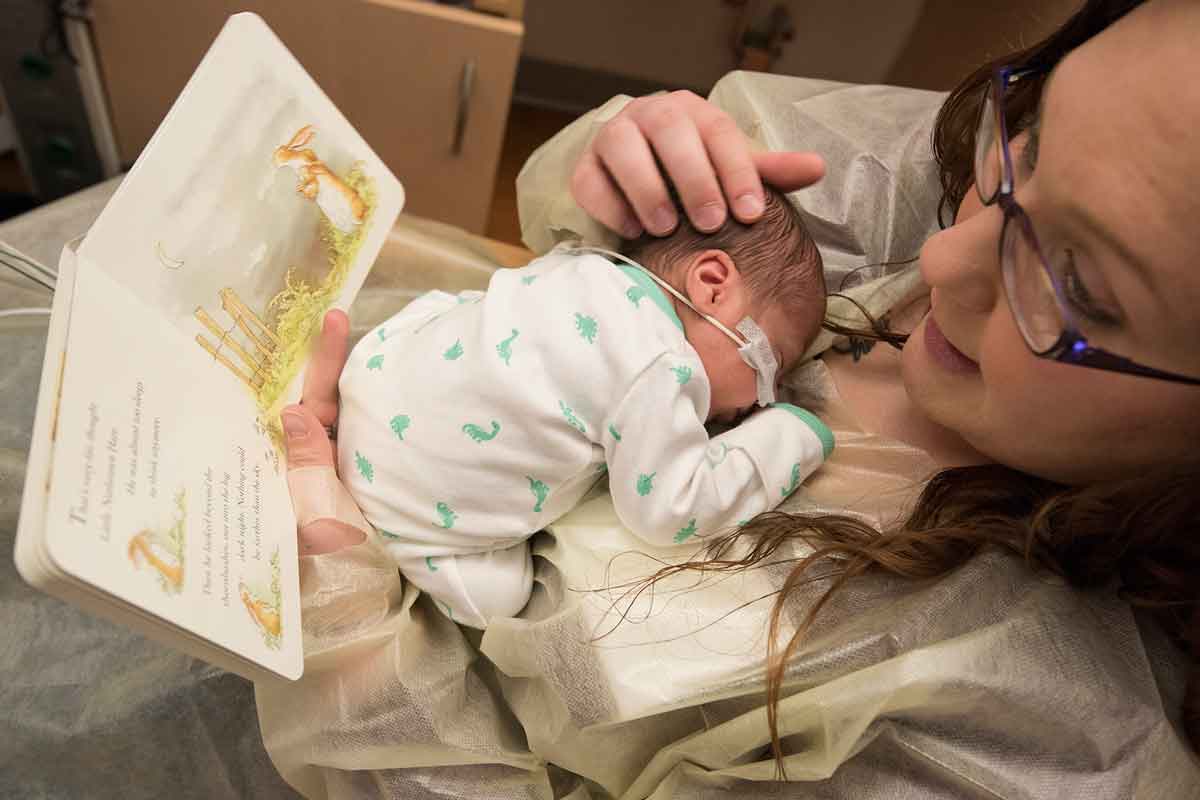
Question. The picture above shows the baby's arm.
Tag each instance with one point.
(670, 481)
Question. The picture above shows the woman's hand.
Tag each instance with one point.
(711, 163)
(327, 518)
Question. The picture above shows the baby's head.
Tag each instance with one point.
(770, 271)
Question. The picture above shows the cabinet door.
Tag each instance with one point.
(427, 86)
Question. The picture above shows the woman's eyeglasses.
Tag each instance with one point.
(1036, 292)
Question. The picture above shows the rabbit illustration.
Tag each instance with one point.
(340, 204)
(144, 546)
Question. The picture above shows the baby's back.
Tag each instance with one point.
(471, 421)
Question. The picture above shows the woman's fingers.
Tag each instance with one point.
(624, 152)
(327, 517)
(320, 393)
(599, 196)
(307, 443)
(328, 535)
(789, 171)
(674, 131)
(620, 179)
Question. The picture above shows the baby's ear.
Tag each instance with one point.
(713, 281)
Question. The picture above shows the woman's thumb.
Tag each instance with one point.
(307, 442)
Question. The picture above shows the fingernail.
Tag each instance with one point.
(631, 230)
(662, 221)
(710, 217)
(293, 425)
(748, 206)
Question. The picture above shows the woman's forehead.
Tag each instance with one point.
(1120, 145)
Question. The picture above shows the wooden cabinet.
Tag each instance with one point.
(428, 86)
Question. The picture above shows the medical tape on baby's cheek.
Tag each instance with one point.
(760, 357)
(318, 494)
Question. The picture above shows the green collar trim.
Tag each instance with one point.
(651, 291)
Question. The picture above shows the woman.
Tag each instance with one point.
(1053, 373)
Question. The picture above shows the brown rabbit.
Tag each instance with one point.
(341, 205)
(143, 547)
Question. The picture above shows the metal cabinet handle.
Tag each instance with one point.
(466, 84)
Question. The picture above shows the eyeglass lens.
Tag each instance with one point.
(1028, 285)
(989, 159)
(1030, 291)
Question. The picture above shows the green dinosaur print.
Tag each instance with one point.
(454, 352)
(382, 334)
(429, 563)
(741, 523)
(444, 607)
(635, 295)
(791, 487)
(540, 491)
(572, 420)
(447, 516)
(400, 424)
(478, 434)
(364, 467)
(683, 534)
(528, 280)
(375, 362)
(602, 469)
(505, 347)
(682, 374)
(587, 327)
(615, 433)
(645, 483)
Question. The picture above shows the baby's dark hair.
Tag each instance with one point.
(776, 257)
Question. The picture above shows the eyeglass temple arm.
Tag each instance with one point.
(1077, 351)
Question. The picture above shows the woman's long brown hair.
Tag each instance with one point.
(1140, 535)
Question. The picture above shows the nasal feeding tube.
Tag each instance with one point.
(753, 345)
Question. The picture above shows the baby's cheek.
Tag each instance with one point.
(746, 391)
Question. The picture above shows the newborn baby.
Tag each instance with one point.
(470, 422)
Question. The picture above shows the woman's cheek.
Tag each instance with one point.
(1015, 387)
(1035, 412)
(970, 205)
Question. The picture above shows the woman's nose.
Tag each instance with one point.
(963, 261)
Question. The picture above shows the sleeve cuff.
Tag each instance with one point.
(815, 425)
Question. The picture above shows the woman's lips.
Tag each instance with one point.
(945, 354)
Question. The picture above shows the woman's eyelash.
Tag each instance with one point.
(1030, 153)
(1080, 298)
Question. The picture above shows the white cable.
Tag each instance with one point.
(740, 342)
(26, 267)
(23, 312)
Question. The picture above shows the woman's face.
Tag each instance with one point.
(1114, 190)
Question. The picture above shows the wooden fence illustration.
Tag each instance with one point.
(260, 345)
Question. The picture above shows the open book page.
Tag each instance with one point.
(254, 208)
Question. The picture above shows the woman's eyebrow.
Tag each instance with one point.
(1035, 129)
(1082, 211)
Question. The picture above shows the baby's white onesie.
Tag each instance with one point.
(470, 422)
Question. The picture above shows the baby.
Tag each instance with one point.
(470, 422)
